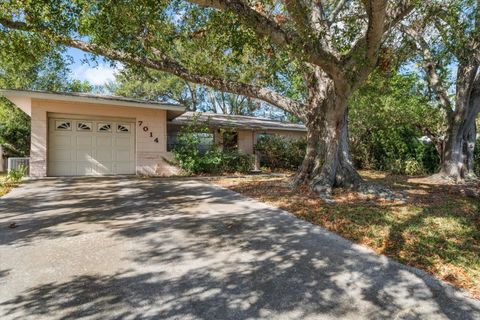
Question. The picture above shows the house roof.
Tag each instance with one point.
(241, 122)
(174, 110)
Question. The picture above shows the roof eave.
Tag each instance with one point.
(182, 123)
(89, 99)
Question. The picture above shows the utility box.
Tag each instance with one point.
(16, 163)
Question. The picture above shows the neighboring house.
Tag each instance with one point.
(77, 134)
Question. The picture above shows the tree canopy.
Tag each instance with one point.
(28, 63)
(308, 58)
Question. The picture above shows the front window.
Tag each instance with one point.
(260, 136)
(230, 141)
(205, 140)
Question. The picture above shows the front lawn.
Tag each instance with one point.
(436, 229)
(6, 186)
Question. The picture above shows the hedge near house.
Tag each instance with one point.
(280, 152)
(212, 160)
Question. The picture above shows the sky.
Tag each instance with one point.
(97, 73)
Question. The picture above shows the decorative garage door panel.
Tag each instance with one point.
(90, 147)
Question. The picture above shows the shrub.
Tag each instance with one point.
(410, 167)
(233, 161)
(208, 159)
(15, 176)
(387, 118)
(280, 152)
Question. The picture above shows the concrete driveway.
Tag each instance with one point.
(127, 248)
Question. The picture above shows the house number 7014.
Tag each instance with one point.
(145, 129)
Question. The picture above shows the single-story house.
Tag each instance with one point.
(233, 131)
(78, 134)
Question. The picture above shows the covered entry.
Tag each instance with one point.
(90, 146)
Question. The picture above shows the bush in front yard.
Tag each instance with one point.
(213, 161)
(280, 152)
(234, 161)
(192, 159)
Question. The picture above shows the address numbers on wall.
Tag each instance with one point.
(146, 129)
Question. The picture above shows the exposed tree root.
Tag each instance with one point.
(325, 189)
(440, 178)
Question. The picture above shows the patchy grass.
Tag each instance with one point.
(436, 229)
(6, 186)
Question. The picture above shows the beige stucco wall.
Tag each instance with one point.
(149, 154)
(246, 141)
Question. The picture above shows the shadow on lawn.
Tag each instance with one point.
(206, 253)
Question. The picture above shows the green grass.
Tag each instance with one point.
(437, 229)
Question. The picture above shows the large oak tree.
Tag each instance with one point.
(334, 44)
(447, 37)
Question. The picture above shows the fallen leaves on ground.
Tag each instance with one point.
(436, 229)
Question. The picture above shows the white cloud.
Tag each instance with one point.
(99, 75)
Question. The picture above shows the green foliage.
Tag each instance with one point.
(194, 160)
(14, 130)
(234, 161)
(15, 175)
(160, 86)
(35, 65)
(156, 86)
(281, 152)
(388, 116)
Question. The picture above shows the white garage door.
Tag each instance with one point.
(87, 147)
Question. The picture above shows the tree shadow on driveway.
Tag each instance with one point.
(197, 251)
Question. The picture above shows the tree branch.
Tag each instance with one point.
(398, 14)
(163, 63)
(304, 49)
(430, 66)
(260, 22)
(476, 34)
(300, 17)
(333, 15)
(364, 52)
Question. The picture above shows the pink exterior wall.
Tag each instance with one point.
(149, 154)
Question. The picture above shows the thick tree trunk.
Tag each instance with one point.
(469, 150)
(304, 172)
(452, 166)
(327, 163)
(333, 165)
(459, 144)
(458, 152)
